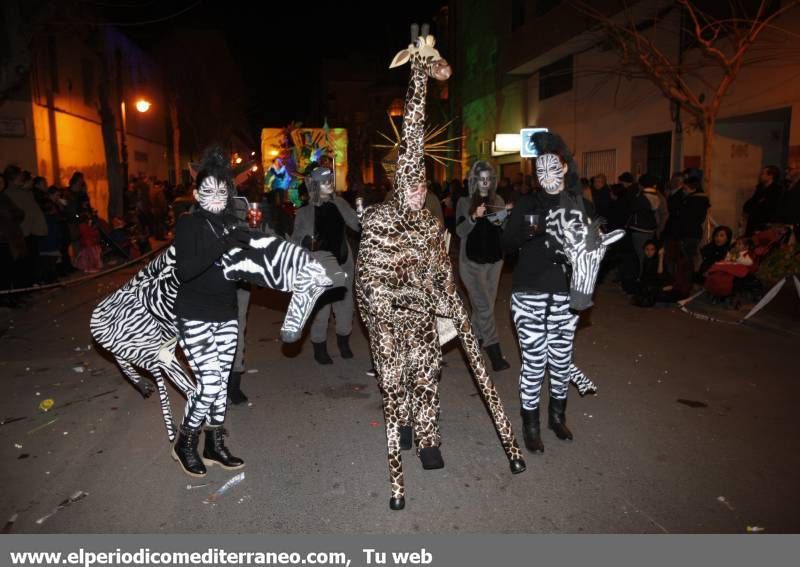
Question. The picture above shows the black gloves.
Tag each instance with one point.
(237, 238)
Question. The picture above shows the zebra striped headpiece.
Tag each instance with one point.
(581, 241)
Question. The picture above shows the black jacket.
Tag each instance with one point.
(763, 207)
(672, 231)
(538, 269)
(204, 294)
(693, 215)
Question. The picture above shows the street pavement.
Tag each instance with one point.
(694, 429)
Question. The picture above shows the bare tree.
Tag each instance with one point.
(724, 38)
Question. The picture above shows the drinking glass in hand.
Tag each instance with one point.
(254, 215)
(532, 222)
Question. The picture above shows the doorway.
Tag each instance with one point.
(651, 154)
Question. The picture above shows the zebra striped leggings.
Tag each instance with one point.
(546, 330)
(210, 348)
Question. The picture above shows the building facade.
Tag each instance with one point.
(50, 122)
(543, 66)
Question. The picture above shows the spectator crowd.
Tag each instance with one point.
(48, 232)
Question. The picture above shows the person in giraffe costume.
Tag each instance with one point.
(407, 295)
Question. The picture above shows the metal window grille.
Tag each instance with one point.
(601, 161)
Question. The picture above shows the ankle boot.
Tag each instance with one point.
(496, 357)
(344, 345)
(557, 419)
(431, 458)
(321, 353)
(185, 451)
(215, 451)
(235, 389)
(530, 430)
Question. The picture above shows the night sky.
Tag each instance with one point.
(286, 40)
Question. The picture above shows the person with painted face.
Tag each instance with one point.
(479, 224)
(540, 300)
(321, 226)
(206, 309)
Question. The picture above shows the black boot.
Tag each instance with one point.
(496, 357)
(530, 430)
(344, 346)
(235, 389)
(321, 353)
(185, 451)
(406, 437)
(557, 419)
(215, 451)
(431, 458)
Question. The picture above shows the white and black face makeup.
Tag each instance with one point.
(212, 195)
(326, 187)
(550, 172)
(485, 180)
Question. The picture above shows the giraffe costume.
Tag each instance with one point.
(404, 286)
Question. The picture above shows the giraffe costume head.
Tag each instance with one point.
(426, 62)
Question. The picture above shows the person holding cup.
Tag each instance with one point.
(479, 224)
(541, 297)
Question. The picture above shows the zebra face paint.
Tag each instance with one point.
(212, 195)
(550, 171)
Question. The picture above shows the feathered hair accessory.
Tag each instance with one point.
(549, 143)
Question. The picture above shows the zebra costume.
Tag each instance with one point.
(137, 323)
(560, 253)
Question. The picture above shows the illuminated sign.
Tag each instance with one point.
(527, 147)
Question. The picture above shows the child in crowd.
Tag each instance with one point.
(716, 250)
(90, 255)
(655, 285)
(651, 275)
(741, 252)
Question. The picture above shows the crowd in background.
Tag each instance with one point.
(47, 232)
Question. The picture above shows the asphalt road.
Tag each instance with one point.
(694, 429)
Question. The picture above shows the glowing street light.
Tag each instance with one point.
(239, 160)
(254, 168)
(143, 105)
(273, 152)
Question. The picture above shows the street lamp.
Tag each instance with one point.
(142, 105)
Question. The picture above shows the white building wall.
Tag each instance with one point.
(605, 111)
